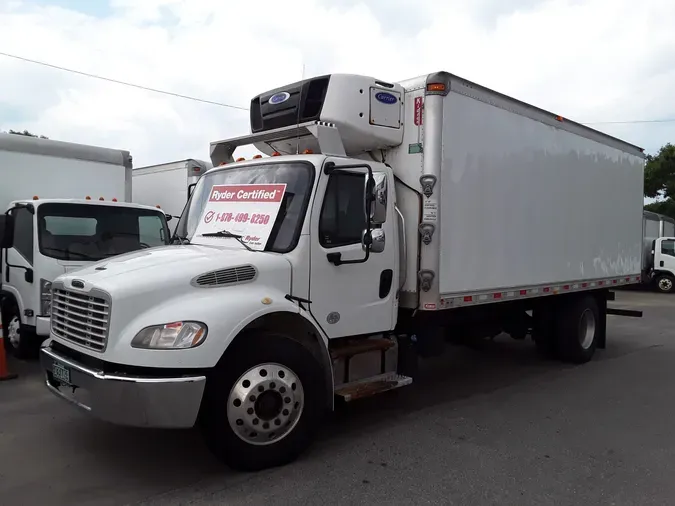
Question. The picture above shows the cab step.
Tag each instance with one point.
(351, 348)
(374, 385)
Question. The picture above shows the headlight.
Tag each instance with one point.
(176, 335)
(45, 297)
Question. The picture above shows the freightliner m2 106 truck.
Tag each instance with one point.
(387, 219)
(65, 206)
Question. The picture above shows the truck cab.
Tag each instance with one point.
(663, 268)
(44, 238)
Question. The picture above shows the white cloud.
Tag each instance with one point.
(596, 60)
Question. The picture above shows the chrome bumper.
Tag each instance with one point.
(125, 400)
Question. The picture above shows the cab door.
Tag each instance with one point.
(664, 255)
(17, 278)
(353, 289)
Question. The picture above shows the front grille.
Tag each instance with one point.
(80, 318)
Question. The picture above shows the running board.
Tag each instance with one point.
(372, 386)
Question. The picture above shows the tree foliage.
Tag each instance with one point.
(660, 180)
(26, 133)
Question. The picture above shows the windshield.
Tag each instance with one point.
(284, 230)
(94, 232)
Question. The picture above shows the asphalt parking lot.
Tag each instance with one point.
(494, 425)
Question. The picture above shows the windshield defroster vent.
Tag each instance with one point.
(229, 276)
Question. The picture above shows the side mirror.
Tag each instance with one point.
(378, 204)
(374, 240)
(6, 231)
(169, 217)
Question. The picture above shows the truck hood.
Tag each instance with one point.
(170, 267)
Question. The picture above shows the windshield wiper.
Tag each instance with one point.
(227, 233)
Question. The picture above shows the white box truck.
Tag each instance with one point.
(658, 257)
(65, 206)
(387, 218)
(167, 185)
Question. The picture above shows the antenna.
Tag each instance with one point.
(297, 122)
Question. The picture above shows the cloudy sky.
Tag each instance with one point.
(589, 60)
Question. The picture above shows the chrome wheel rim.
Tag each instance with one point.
(265, 404)
(13, 335)
(587, 329)
(666, 284)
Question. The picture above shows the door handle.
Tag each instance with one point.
(661, 263)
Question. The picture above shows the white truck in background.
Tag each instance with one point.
(658, 258)
(167, 185)
(387, 218)
(65, 206)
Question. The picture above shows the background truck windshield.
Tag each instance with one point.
(94, 232)
(298, 177)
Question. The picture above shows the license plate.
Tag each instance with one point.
(61, 373)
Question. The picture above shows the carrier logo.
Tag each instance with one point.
(386, 98)
(279, 98)
(76, 283)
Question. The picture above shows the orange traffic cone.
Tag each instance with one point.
(5, 375)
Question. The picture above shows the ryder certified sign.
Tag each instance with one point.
(249, 210)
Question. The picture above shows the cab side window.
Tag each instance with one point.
(23, 233)
(668, 248)
(343, 217)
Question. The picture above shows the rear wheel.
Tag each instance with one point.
(263, 402)
(577, 332)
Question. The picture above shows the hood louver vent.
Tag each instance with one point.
(230, 276)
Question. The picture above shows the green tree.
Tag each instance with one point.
(660, 180)
(26, 133)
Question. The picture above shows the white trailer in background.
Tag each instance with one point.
(65, 206)
(658, 258)
(168, 185)
(388, 218)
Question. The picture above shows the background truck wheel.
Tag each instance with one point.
(664, 283)
(263, 402)
(577, 329)
(18, 340)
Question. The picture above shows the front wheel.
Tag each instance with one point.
(664, 283)
(263, 402)
(18, 341)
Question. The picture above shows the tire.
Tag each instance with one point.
(664, 283)
(21, 343)
(238, 423)
(577, 329)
